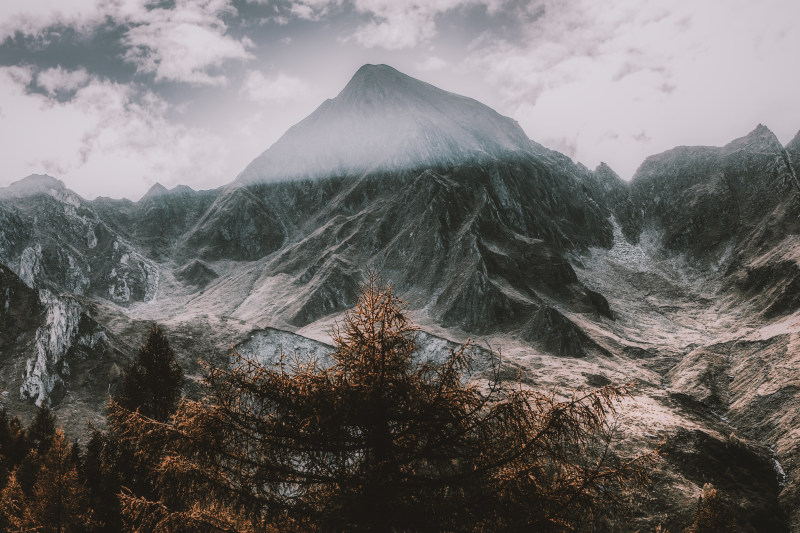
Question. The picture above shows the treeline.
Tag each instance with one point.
(379, 441)
(52, 485)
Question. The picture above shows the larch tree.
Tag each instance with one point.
(382, 440)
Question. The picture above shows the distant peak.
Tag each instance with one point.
(39, 180)
(381, 83)
(603, 168)
(384, 119)
(156, 190)
(33, 184)
(377, 73)
(760, 137)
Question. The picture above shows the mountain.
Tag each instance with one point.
(684, 281)
(385, 120)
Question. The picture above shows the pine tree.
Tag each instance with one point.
(59, 503)
(152, 386)
(42, 429)
(380, 441)
(153, 382)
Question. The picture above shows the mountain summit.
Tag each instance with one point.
(386, 120)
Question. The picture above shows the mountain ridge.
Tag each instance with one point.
(683, 281)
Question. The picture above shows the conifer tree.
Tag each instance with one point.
(59, 503)
(153, 382)
(42, 429)
(13, 505)
(152, 386)
(380, 441)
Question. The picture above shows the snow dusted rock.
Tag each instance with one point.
(269, 345)
(65, 331)
(30, 264)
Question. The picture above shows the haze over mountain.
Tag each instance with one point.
(385, 120)
(685, 280)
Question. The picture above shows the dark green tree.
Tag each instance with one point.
(152, 385)
(42, 430)
(153, 382)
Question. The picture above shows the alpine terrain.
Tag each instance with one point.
(684, 281)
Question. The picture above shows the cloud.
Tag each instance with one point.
(57, 80)
(187, 41)
(107, 138)
(31, 17)
(281, 87)
(400, 24)
(183, 43)
(431, 63)
(684, 72)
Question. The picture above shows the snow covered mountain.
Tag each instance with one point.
(684, 281)
(385, 120)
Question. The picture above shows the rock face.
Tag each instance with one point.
(684, 281)
(53, 239)
(49, 333)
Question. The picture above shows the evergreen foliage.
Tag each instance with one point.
(153, 382)
(42, 430)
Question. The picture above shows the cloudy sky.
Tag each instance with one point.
(112, 96)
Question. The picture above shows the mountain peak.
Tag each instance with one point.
(33, 184)
(760, 138)
(386, 120)
(381, 81)
(156, 190)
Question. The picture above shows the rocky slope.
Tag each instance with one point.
(685, 280)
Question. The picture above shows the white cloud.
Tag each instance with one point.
(184, 42)
(30, 17)
(431, 63)
(107, 139)
(56, 80)
(280, 87)
(627, 79)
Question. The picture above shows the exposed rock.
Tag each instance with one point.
(557, 334)
(66, 330)
(196, 273)
(20, 312)
(236, 226)
(743, 472)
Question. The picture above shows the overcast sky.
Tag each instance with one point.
(112, 96)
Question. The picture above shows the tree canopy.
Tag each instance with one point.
(382, 440)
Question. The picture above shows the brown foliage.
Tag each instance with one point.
(58, 501)
(379, 441)
(713, 514)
